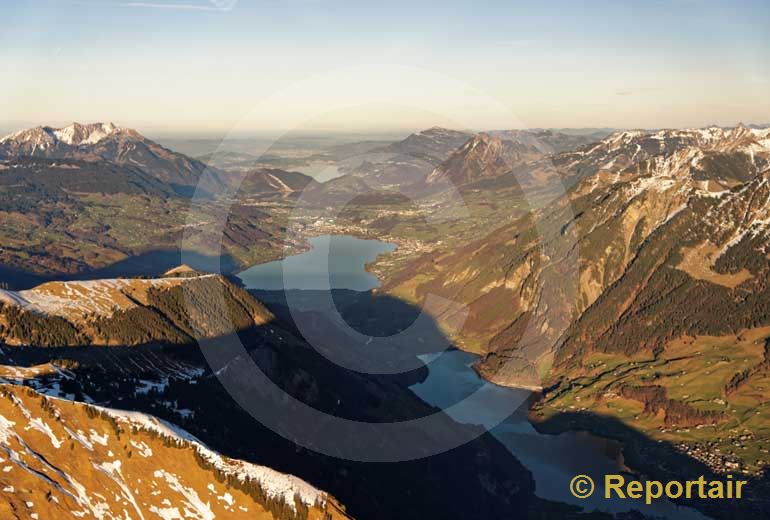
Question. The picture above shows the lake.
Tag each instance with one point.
(345, 257)
(320, 171)
(553, 459)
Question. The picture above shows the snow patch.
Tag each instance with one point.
(197, 508)
(98, 439)
(144, 450)
(85, 298)
(275, 484)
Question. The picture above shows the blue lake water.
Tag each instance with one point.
(553, 459)
(333, 262)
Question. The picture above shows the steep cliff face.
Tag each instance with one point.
(62, 459)
(673, 223)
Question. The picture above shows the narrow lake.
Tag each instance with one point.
(553, 459)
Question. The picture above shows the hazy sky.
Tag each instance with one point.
(187, 66)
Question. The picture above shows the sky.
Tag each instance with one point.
(208, 67)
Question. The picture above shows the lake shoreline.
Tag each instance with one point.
(642, 458)
(552, 453)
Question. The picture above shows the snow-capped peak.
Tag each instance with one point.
(38, 135)
(77, 134)
(666, 141)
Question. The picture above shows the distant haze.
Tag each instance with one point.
(180, 67)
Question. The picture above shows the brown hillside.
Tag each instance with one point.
(60, 459)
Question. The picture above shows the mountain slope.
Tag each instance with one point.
(484, 156)
(435, 143)
(271, 181)
(100, 198)
(635, 196)
(706, 210)
(642, 296)
(405, 163)
(549, 141)
(175, 309)
(105, 141)
(35, 180)
(181, 385)
(66, 460)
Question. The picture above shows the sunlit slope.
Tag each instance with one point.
(69, 460)
(663, 234)
(179, 308)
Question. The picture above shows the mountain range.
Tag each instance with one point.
(428, 161)
(482, 157)
(623, 276)
(640, 295)
(107, 142)
(136, 344)
(629, 192)
(106, 197)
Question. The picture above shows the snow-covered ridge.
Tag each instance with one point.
(661, 159)
(77, 300)
(709, 137)
(76, 134)
(661, 173)
(50, 448)
(274, 483)
(97, 142)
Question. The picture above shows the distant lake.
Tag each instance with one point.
(320, 171)
(552, 459)
(345, 256)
